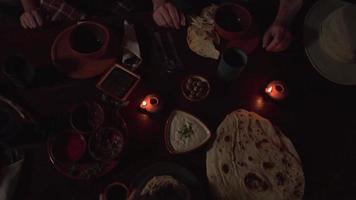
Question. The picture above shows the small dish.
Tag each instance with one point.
(87, 117)
(180, 141)
(195, 88)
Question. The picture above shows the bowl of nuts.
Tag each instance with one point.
(195, 88)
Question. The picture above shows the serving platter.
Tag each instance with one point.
(83, 165)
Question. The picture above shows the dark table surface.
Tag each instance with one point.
(318, 116)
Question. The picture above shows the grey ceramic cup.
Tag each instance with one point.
(232, 62)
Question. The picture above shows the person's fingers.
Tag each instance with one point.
(26, 20)
(280, 47)
(174, 15)
(167, 17)
(266, 39)
(276, 40)
(284, 44)
(23, 24)
(161, 19)
(38, 18)
(157, 19)
(182, 19)
(30, 19)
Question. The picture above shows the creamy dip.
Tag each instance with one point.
(187, 132)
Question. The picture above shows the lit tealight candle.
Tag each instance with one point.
(151, 103)
(276, 90)
(143, 104)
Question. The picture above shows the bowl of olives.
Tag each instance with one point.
(195, 88)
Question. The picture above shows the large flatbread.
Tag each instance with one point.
(252, 160)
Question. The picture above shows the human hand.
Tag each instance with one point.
(165, 14)
(31, 19)
(277, 38)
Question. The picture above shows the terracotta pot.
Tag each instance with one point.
(229, 29)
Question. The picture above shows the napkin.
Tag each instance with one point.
(131, 57)
(9, 175)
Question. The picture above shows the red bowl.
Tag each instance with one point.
(68, 147)
(232, 21)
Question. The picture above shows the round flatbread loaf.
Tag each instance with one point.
(252, 160)
(201, 37)
(202, 42)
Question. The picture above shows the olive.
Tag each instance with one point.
(189, 81)
(189, 87)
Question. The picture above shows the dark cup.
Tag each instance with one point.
(232, 62)
(115, 191)
(18, 70)
(89, 38)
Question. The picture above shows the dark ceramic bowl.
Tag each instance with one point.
(115, 191)
(232, 21)
(87, 117)
(89, 39)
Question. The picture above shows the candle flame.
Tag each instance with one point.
(269, 89)
(143, 104)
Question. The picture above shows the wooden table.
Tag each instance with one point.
(318, 116)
